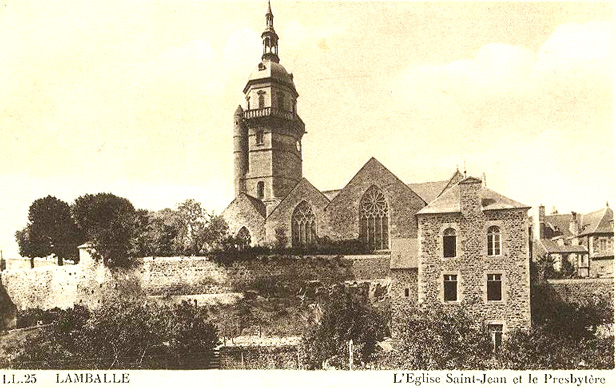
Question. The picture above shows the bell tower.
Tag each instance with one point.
(268, 131)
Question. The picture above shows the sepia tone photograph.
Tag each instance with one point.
(307, 185)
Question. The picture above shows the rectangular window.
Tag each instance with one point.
(496, 331)
(495, 287)
(450, 288)
(602, 245)
(407, 292)
(259, 137)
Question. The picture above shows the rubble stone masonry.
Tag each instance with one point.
(472, 263)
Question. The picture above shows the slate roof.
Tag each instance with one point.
(600, 221)
(549, 246)
(449, 201)
(428, 191)
(404, 255)
(559, 223)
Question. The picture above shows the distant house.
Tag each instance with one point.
(586, 241)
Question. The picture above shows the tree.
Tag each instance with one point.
(193, 226)
(346, 317)
(199, 231)
(439, 338)
(108, 222)
(50, 230)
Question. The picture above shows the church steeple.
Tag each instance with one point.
(270, 38)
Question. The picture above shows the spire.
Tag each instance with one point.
(270, 38)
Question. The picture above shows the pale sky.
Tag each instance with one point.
(137, 97)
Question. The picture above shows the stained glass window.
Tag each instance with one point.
(303, 225)
(374, 220)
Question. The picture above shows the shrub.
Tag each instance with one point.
(122, 334)
(438, 338)
(542, 348)
(346, 317)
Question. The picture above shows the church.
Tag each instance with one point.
(452, 241)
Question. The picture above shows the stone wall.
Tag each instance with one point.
(472, 263)
(90, 282)
(44, 287)
(602, 267)
(579, 291)
(403, 295)
(259, 357)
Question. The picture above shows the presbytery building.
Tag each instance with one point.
(453, 241)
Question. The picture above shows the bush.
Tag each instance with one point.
(34, 316)
(542, 348)
(123, 335)
(439, 338)
(575, 320)
(346, 317)
(231, 250)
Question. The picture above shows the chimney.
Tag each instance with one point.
(574, 226)
(470, 195)
(541, 222)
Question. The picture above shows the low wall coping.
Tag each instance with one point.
(586, 280)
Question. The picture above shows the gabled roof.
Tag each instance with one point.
(559, 223)
(256, 203)
(449, 201)
(304, 182)
(600, 221)
(429, 191)
(373, 162)
(549, 246)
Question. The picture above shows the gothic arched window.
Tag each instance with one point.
(374, 220)
(243, 238)
(303, 226)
